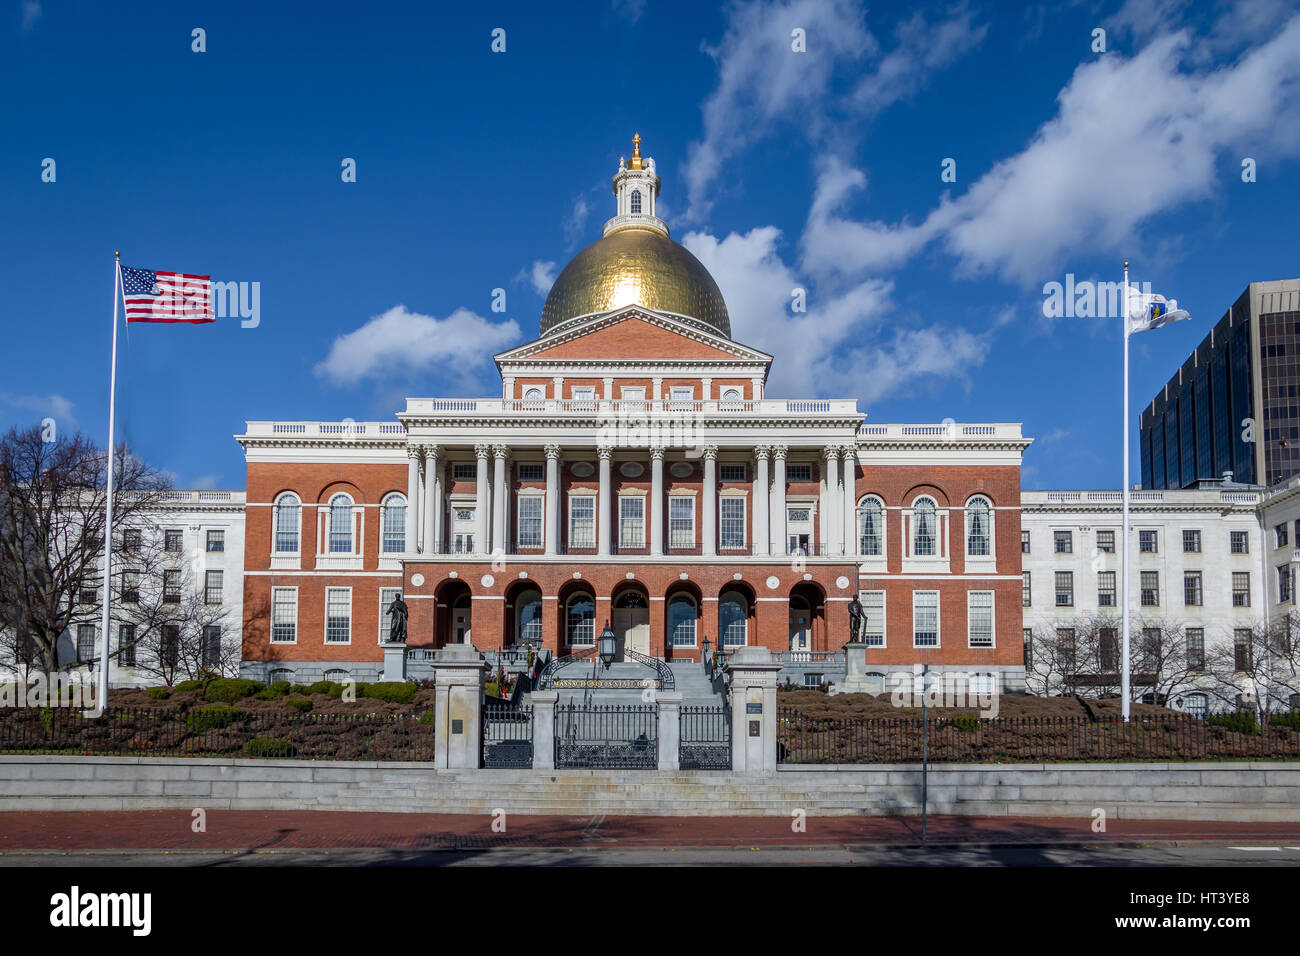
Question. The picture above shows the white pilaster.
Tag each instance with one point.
(552, 533)
(412, 497)
(481, 518)
(709, 507)
(757, 384)
(604, 518)
(558, 384)
(609, 389)
(760, 537)
(656, 500)
(779, 544)
(849, 509)
(707, 394)
(500, 498)
(431, 507)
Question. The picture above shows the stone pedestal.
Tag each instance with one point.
(544, 729)
(394, 661)
(670, 729)
(458, 707)
(753, 710)
(855, 672)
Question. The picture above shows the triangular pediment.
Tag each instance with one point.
(633, 334)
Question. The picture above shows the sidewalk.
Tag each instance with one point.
(250, 830)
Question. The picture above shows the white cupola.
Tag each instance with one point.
(636, 187)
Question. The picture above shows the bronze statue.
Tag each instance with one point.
(397, 612)
(855, 621)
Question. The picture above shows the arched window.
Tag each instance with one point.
(733, 620)
(533, 395)
(636, 202)
(394, 524)
(288, 513)
(978, 522)
(528, 619)
(681, 621)
(924, 527)
(871, 528)
(580, 621)
(338, 675)
(340, 519)
(281, 673)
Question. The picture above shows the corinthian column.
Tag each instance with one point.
(759, 537)
(552, 533)
(412, 498)
(603, 519)
(830, 526)
(849, 455)
(709, 507)
(657, 499)
(779, 544)
(500, 499)
(481, 522)
(432, 496)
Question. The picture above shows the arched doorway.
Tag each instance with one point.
(807, 618)
(800, 625)
(453, 619)
(527, 618)
(630, 621)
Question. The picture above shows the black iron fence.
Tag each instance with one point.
(615, 736)
(507, 735)
(217, 732)
(818, 740)
(705, 737)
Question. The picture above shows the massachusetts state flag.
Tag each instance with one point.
(166, 296)
(1148, 311)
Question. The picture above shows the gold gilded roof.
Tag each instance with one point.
(635, 267)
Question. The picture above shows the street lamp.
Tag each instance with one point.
(608, 645)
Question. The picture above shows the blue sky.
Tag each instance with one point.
(479, 170)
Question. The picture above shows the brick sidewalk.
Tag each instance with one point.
(307, 829)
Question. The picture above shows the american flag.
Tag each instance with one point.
(166, 296)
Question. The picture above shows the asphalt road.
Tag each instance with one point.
(1128, 856)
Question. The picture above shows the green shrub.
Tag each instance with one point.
(157, 693)
(1290, 720)
(187, 685)
(490, 688)
(966, 722)
(227, 690)
(299, 689)
(303, 704)
(395, 692)
(1239, 721)
(266, 694)
(320, 687)
(281, 687)
(213, 718)
(426, 718)
(269, 747)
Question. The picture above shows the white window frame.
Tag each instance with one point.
(568, 637)
(868, 600)
(881, 536)
(294, 623)
(279, 503)
(722, 471)
(207, 586)
(733, 597)
(390, 503)
(325, 634)
(695, 620)
(623, 519)
(328, 532)
(540, 471)
(938, 632)
(802, 466)
(585, 543)
(681, 537)
(584, 397)
(971, 608)
(990, 555)
(936, 550)
(459, 469)
(723, 519)
(520, 518)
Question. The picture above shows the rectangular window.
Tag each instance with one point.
(173, 540)
(681, 522)
(1195, 649)
(1147, 543)
(584, 399)
(1239, 542)
(212, 588)
(633, 395)
(681, 396)
(284, 615)
(925, 618)
(1191, 542)
(86, 634)
(812, 680)
(386, 598)
(216, 541)
(798, 472)
(169, 646)
(631, 521)
(582, 522)
(979, 618)
(1065, 647)
(1027, 635)
(126, 645)
(130, 587)
(1026, 592)
(1063, 542)
(338, 615)
(1150, 588)
(464, 471)
(131, 539)
(1192, 588)
(1241, 648)
(731, 472)
(1108, 651)
(171, 587)
(1106, 542)
(1283, 584)
(463, 531)
(1241, 589)
(1280, 531)
(88, 592)
(1105, 588)
(530, 521)
(532, 471)
(731, 522)
(1065, 589)
(873, 618)
(1024, 542)
(211, 645)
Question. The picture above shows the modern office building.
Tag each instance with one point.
(1234, 405)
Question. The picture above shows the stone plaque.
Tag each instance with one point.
(753, 728)
(458, 726)
(754, 708)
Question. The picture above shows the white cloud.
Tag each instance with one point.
(53, 405)
(541, 275)
(402, 343)
(629, 10)
(576, 224)
(206, 481)
(921, 50)
(31, 13)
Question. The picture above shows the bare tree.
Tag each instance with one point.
(52, 498)
(1164, 660)
(175, 633)
(1050, 662)
(1252, 672)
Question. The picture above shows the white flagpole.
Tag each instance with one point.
(1125, 706)
(101, 694)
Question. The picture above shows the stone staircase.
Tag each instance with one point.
(688, 677)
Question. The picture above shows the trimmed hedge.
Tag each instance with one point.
(395, 692)
(157, 693)
(1239, 721)
(227, 690)
(281, 687)
(212, 718)
(303, 704)
(269, 747)
(187, 685)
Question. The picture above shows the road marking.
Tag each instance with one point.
(1257, 849)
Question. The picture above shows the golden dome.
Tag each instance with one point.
(634, 266)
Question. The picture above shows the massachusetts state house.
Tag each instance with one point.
(633, 470)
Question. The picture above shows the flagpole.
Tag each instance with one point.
(1125, 706)
(101, 695)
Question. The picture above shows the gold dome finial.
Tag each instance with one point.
(636, 152)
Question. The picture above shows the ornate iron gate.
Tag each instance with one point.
(619, 736)
(507, 734)
(705, 741)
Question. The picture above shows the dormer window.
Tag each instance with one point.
(636, 202)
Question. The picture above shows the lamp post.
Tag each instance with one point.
(608, 645)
